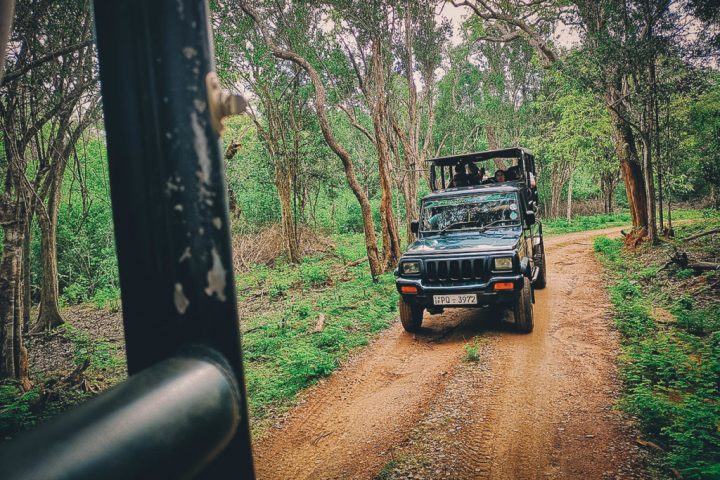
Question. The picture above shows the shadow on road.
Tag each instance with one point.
(461, 325)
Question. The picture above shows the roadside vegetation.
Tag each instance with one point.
(669, 318)
(310, 318)
(581, 223)
(299, 323)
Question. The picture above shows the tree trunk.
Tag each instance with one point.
(26, 291)
(607, 186)
(569, 196)
(412, 146)
(494, 145)
(391, 237)
(13, 355)
(49, 316)
(649, 187)
(624, 142)
(284, 184)
(558, 175)
(9, 283)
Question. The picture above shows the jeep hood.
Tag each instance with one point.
(466, 243)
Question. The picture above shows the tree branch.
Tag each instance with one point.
(15, 74)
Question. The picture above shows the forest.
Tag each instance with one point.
(619, 100)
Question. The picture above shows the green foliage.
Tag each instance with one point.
(101, 354)
(697, 321)
(107, 297)
(671, 370)
(685, 273)
(609, 248)
(581, 223)
(472, 351)
(16, 411)
(283, 351)
(314, 273)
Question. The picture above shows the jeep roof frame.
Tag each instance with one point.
(526, 162)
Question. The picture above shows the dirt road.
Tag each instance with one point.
(533, 406)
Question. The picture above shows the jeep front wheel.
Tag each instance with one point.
(523, 310)
(411, 315)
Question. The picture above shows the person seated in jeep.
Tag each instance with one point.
(513, 173)
(497, 178)
(476, 175)
(460, 179)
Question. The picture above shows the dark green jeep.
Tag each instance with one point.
(479, 242)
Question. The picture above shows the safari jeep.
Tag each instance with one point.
(478, 244)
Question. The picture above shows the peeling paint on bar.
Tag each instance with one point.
(216, 278)
(181, 301)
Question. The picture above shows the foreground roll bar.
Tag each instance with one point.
(179, 414)
(168, 421)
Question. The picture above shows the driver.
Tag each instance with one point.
(435, 218)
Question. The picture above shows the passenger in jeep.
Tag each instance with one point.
(476, 175)
(498, 178)
(513, 173)
(460, 179)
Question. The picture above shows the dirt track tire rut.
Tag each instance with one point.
(535, 405)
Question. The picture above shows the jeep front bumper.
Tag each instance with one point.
(486, 292)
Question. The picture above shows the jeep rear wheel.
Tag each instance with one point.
(541, 280)
(523, 309)
(411, 315)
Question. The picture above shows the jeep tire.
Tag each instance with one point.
(523, 309)
(411, 315)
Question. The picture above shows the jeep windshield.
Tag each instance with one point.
(476, 212)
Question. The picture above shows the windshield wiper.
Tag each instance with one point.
(444, 230)
(493, 224)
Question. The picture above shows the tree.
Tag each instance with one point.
(602, 23)
(419, 48)
(574, 134)
(283, 101)
(49, 87)
(320, 97)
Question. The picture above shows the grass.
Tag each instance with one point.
(557, 226)
(282, 349)
(670, 326)
(472, 350)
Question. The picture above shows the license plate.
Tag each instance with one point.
(468, 299)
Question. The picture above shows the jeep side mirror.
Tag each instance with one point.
(414, 226)
(530, 217)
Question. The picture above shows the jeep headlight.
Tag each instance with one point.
(503, 263)
(411, 268)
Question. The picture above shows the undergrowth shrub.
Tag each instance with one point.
(314, 273)
(671, 371)
(17, 411)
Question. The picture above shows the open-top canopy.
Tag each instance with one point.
(452, 160)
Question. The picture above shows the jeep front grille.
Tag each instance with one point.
(454, 269)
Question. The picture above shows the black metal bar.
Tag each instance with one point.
(168, 190)
(168, 421)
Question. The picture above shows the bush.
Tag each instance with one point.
(107, 297)
(314, 273)
(607, 247)
(16, 412)
(74, 294)
(700, 322)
